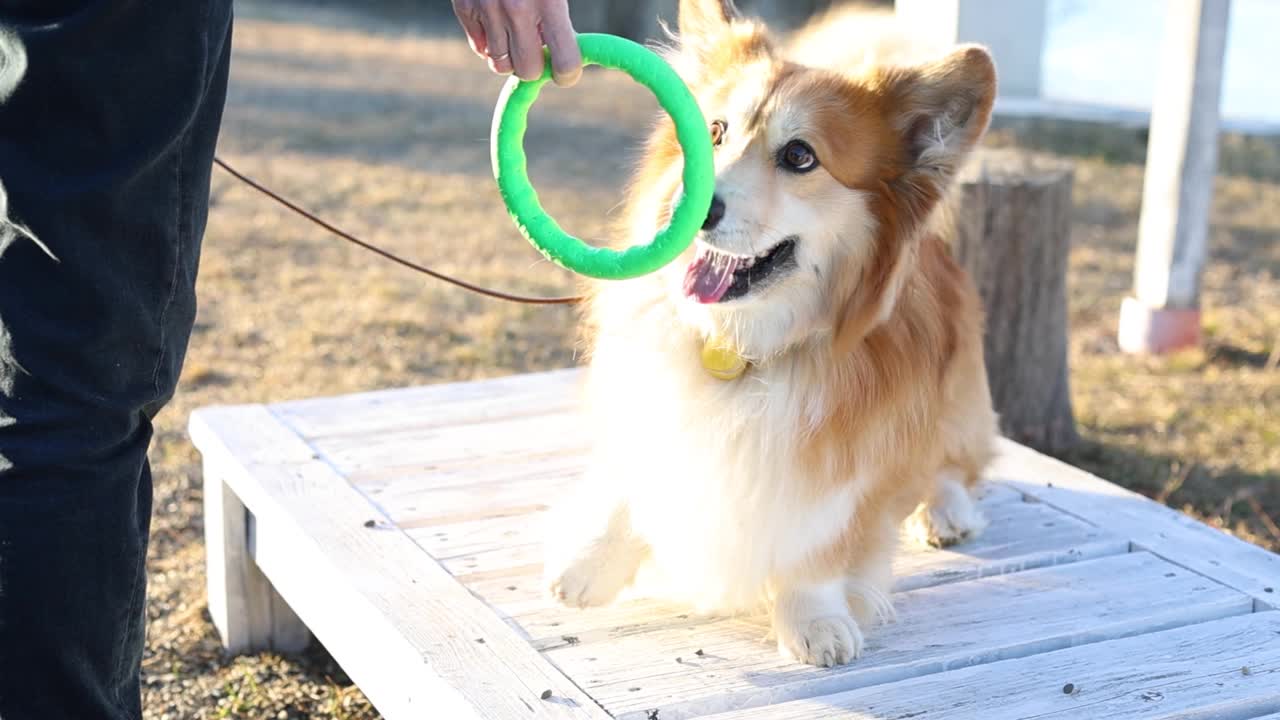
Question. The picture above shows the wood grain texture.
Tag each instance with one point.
(427, 476)
(1020, 536)
(939, 628)
(1223, 670)
(1151, 526)
(1014, 222)
(499, 556)
(406, 632)
(438, 405)
(510, 541)
(395, 454)
(418, 505)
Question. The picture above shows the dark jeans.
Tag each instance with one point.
(106, 148)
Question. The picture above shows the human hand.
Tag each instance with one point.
(510, 35)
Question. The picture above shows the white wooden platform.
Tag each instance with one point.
(400, 528)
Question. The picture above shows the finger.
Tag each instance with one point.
(526, 41)
(562, 41)
(469, 17)
(500, 53)
(498, 38)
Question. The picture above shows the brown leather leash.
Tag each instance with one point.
(390, 256)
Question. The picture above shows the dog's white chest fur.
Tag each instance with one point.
(709, 470)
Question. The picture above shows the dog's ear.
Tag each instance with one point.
(937, 113)
(715, 39)
(702, 22)
(941, 110)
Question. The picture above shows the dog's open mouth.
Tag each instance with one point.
(716, 276)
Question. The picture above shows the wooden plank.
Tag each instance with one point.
(510, 540)
(444, 404)
(453, 541)
(508, 440)
(1151, 526)
(495, 555)
(939, 628)
(407, 633)
(1019, 536)
(475, 470)
(414, 506)
(1019, 530)
(1223, 669)
(518, 592)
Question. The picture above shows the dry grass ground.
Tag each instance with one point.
(382, 125)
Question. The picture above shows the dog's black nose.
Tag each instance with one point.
(715, 214)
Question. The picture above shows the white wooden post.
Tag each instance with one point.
(248, 613)
(1013, 30)
(1163, 314)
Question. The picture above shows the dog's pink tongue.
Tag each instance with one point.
(709, 276)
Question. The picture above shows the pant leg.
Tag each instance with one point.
(106, 147)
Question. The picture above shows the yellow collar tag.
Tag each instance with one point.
(721, 361)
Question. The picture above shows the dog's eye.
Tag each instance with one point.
(718, 129)
(797, 156)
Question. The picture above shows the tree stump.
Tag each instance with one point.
(1014, 223)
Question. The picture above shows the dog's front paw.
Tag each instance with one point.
(588, 583)
(942, 527)
(588, 563)
(950, 517)
(825, 642)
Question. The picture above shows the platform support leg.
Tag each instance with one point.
(247, 611)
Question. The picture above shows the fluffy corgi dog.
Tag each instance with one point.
(770, 408)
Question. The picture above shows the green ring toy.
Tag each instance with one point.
(510, 168)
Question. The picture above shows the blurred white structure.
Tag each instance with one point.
(1182, 157)
(1014, 30)
(1163, 313)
